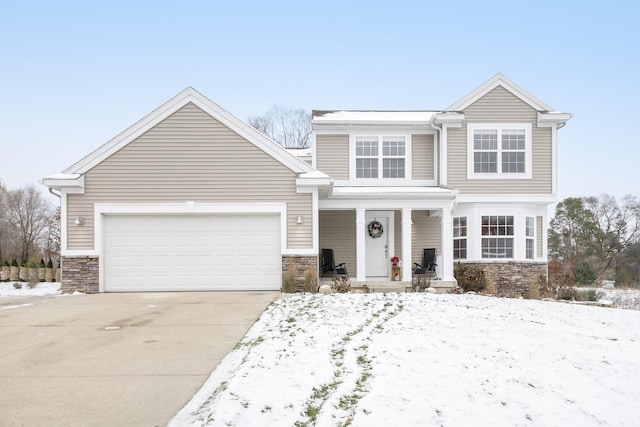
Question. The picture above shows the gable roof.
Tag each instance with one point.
(190, 95)
(508, 84)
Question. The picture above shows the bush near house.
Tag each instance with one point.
(470, 278)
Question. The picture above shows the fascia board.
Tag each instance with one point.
(550, 119)
(57, 181)
(189, 95)
(500, 80)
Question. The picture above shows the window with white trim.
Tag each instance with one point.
(380, 157)
(499, 150)
(497, 236)
(460, 237)
(529, 237)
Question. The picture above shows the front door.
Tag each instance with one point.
(377, 237)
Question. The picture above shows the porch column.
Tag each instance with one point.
(406, 244)
(360, 242)
(447, 244)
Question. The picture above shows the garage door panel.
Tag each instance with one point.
(192, 252)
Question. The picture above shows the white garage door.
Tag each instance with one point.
(191, 252)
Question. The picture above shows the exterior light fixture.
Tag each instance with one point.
(79, 220)
(299, 219)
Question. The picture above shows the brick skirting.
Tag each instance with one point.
(80, 273)
(512, 279)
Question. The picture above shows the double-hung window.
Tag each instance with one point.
(460, 237)
(499, 150)
(497, 236)
(529, 237)
(380, 157)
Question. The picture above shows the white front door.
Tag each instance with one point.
(377, 237)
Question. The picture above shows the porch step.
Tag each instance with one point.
(385, 287)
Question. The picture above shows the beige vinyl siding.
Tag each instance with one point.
(397, 240)
(425, 233)
(422, 157)
(539, 230)
(500, 106)
(332, 155)
(338, 232)
(189, 156)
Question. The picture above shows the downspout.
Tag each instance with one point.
(438, 146)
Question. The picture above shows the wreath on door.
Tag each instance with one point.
(375, 229)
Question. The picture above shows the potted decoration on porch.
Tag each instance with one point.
(396, 273)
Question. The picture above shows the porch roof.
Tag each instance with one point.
(392, 193)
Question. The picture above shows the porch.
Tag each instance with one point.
(366, 239)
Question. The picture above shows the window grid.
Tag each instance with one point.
(460, 237)
(487, 151)
(493, 244)
(374, 154)
(529, 234)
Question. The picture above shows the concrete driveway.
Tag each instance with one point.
(114, 359)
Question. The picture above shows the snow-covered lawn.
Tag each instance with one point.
(422, 359)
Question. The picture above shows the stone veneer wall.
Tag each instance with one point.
(300, 264)
(512, 278)
(80, 273)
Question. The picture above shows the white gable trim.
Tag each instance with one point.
(190, 95)
(500, 80)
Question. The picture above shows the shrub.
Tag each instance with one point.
(534, 290)
(585, 275)
(311, 279)
(560, 274)
(470, 278)
(50, 263)
(14, 263)
(568, 293)
(590, 295)
(42, 264)
(289, 279)
(545, 289)
(5, 263)
(342, 284)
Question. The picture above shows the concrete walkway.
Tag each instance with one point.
(114, 359)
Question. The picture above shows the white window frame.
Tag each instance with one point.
(463, 232)
(530, 237)
(381, 157)
(499, 127)
(497, 237)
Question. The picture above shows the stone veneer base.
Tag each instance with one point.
(513, 279)
(80, 273)
(300, 264)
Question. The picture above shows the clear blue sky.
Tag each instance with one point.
(75, 74)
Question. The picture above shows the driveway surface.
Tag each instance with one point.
(114, 359)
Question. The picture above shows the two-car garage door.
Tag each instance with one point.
(191, 252)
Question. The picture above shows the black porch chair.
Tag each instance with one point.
(426, 268)
(329, 265)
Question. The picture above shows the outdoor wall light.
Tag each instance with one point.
(299, 219)
(79, 220)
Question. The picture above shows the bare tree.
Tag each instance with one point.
(28, 212)
(290, 127)
(52, 249)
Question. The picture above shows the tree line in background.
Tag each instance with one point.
(595, 238)
(29, 227)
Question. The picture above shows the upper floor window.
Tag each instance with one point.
(499, 150)
(380, 157)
